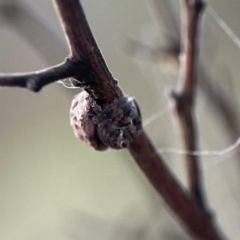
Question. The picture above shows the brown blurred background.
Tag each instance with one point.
(54, 187)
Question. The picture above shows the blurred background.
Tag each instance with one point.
(54, 187)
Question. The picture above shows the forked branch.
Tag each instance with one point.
(185, 95)
(83, 48)
(92, 74)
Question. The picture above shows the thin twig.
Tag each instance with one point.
(186, 93)
(34, 81)
(208, 88)
(91, 71)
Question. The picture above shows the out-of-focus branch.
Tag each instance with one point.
(208, 87)
(166, 18)
(219, 102)
(185, 95)
(25, 22)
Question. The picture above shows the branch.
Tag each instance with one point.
(185, 95)
(83, 48)
(34, 81)
(196, 222)
(209, 89)
(88, 67)
(141, 148)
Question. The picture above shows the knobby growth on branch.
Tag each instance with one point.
(104, 99)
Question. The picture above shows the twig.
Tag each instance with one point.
(91, 71)
(209, 89)
(34, 81)
(185, 94)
